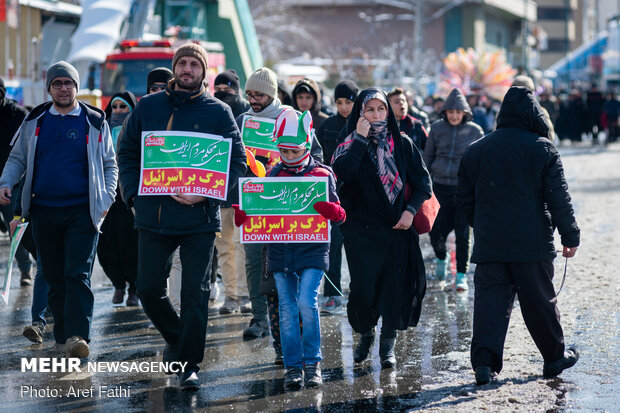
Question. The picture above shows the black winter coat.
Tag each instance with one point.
(375, 251)
(512, 188)
(328, 134)
(172, 110)
(11, 117)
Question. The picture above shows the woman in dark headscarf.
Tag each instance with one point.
(117, 249)
(383, 182)
(117, 111)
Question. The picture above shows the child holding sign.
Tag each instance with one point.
(298, 267)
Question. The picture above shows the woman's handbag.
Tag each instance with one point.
(268, 284)
(424, 219)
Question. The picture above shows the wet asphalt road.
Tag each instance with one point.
(433, 372)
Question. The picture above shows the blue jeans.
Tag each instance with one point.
(39, 296)
(298, 293)
(66, 242)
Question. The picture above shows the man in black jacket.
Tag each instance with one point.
(189, 221)
(511, 186)
(11, 117)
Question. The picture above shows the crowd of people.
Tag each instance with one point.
(73, 171)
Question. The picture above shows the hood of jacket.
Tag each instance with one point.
(521, 110)
(95, 116)
(314, 88)
(127, 96)
(456, 101)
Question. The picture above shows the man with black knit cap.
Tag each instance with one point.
(227, 87)
(11, 117)
(65, 151)
(189, 221)
(157, 79)
(345, 94)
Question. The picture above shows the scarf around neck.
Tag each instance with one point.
(271, 111)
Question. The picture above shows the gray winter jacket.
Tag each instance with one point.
(102, 169)
(446, 144)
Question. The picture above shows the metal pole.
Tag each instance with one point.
(417, 39)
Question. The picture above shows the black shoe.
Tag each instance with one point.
(312, 373)
(386, 352)
(293, 378)
(189, 380)
(552, 369)
(363, 347)
(256, 329)
(34, 332)
(26, 278)
(484, 374)
(279, 360)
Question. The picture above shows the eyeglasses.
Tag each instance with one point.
(157, 88)
(59, 84)
(119, 106)
(255, 96)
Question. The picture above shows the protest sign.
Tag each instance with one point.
(281, 209)
(185, 162)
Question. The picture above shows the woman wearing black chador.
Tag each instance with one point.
(383, 182)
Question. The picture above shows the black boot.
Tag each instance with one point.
(386, 352)
(363, 348)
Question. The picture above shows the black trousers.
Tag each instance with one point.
(335, 263)
(187, 331)
(450, 217)
(118, 247)
(495, 287)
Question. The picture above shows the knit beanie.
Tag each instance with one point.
(293, 130)
(228, 77)
(263, 80)
(346, 89)
(193, 50)
(158, 75)
(62, 69)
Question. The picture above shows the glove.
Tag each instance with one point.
(240, 216)
(331, 210)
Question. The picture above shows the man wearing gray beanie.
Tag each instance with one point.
(261, 90)
(68, 188)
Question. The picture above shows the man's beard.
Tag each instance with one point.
(195, 85)
(63, 105)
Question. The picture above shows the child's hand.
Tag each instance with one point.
(363, 127)
(240, 216)
(331, 210)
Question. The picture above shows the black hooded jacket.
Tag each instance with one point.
(512, 187)
(317, 116)
(376, 252)
(11, 117)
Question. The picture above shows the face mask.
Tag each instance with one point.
(229, 98)
(117, 119)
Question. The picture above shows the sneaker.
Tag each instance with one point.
(132, 300)
(34, 332)
(188, 380)
(293, 378)
(119, 294)
(279, 360)
(77, 347)
(312, 373)
(331, 306)
(461, 282)
(256, 329)
(245, 305)
(230, 306)
(554, 368)
(215, 292)
(484, 375)
(26, 278)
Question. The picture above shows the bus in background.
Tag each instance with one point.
(127, 67)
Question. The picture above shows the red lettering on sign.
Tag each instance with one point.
(250, 124)
(155, 141)
(249, 188)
